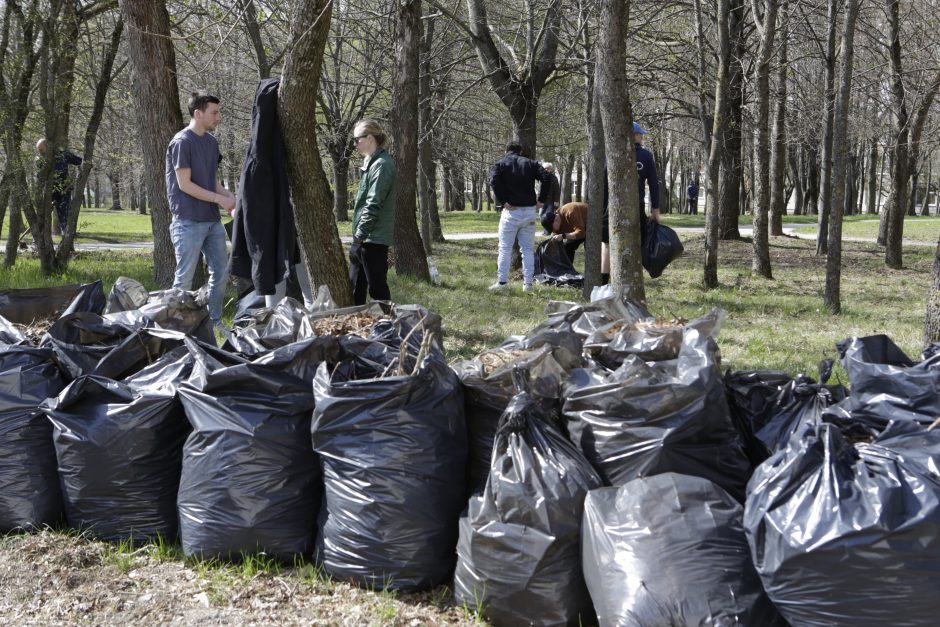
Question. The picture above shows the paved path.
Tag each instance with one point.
(744, 229)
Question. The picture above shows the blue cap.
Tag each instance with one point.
(639, 129)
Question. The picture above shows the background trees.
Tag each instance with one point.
(740, 96)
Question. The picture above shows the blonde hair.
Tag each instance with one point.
(371, 127)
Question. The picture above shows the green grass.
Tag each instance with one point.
(774, 324)
(916, 229)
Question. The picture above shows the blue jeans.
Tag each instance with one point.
(189, 239)
(516, 223)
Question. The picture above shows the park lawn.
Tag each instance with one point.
(772, 324)
(916, 229)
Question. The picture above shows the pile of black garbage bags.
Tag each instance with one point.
(599, 469)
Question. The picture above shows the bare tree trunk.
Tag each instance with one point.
(341, 187)
(732, 167)
(156, 95)
(597, 180)
(425, 129)
(579, 179)
(15, 229)
(310, 191)
(832, 296)
(778, 151)
(925, 206)
(626, 269)
(761, 260)
(566, 180)
(900, 173)
(794, 165)
(410, 257)
(932, 320)
(719, 134)
(825, 193)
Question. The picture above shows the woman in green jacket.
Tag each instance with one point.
(374, 215)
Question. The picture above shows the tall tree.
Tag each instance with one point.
(410, 258)
(719, 134)
(825, 170)
(932, 320)
(767, 28)
(840, 146)
(310, 191)
(778, 150)
(626, 268)
(156, 95)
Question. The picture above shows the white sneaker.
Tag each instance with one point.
(527, 288)
(495, 287)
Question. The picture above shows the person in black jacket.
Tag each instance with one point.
(692, 196)
(62, 181)
(513, 181)
(264, 238)
(646, 173)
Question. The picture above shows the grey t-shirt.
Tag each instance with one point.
(201, 156)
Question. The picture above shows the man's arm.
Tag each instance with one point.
(547, 181)
(220, 189)
(71, 158)
(184, 180)
(496, 184)
(652, 179)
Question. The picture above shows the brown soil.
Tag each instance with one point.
(56, 579)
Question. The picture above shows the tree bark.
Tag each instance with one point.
(626, 269)
(410, 257)
(761, 260)
(732, 166)
(932, 320)
(425, 144)
(719, 134)
(156, 96)
(310, 191)
(778, 151)
(596, 179)
(900, 173)
(340, 187)
(825, 193)
(840, 142)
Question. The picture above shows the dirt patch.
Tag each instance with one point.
(58, 579)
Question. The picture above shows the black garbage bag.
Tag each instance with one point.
(488, 386)
(553, 267)
(250, 481)
(751, 397)
(800, 402)
(661, 245)
(670, 550)
(648, 418)
(80, 340)
(649, 339)
(119, 447)
(24, 306)
(137, 351)
(10, 334)
(846, 534)
(126, 295)
(586, 319)
(29, 482)
(262, 330)
(519, 553)
(394, 452)
(886, 385)
(179, 310)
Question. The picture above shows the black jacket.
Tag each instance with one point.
(264, 239)
(513, 181)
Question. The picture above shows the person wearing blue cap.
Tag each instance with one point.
(646, 173)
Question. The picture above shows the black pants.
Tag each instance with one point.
(693, 206)
(368, 269)
(62, 202)
(571, 247)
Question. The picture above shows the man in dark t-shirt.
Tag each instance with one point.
(62, 180)
(192, 160)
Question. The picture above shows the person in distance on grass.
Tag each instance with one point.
(512, 179)
(195, 194)
(61, 181)
(568, 225)
(646, 173)
(374, 215)
(692, 196)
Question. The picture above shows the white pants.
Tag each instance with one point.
(281, 288)
(516, 223)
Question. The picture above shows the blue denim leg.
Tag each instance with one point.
(187, 237)
(213, 249)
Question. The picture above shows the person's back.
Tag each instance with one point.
(513, 179)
